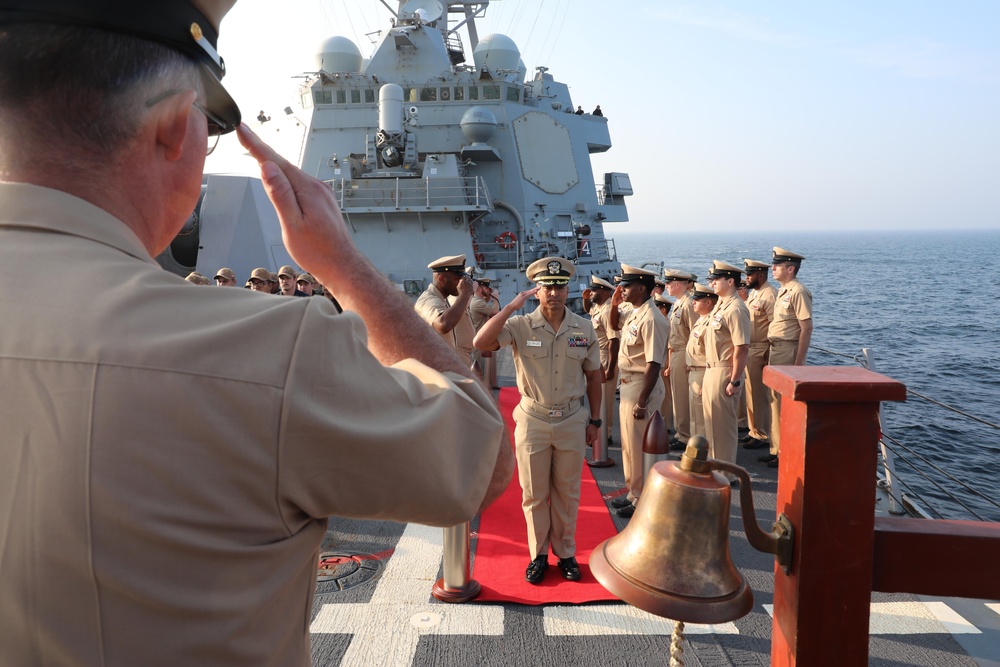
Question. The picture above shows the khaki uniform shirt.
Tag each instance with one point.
(643, 338)
(682, 318)
(793, 303)
(480, 310)
(761, 306)
(432, 303)
(549, 363)
(728, 326)
(694, 353)
(171, 453)
(600, 316)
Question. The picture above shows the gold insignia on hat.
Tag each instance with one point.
(196, 31)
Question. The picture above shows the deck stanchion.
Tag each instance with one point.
(457, 584)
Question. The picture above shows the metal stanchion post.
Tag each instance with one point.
(457, 584)
(601, 459)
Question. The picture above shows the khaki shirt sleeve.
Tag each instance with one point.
(802, 304)
(402, 443)
(593, 360)
(654, 338)
(739, 326)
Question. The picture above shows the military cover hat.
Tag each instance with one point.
(723, 270)
(670, 275)
(631, 274)
(261, 274)
(197, 279)
(664, 299)
(305, 278)
(780, 255)
(551, 271)
(272, 276)
(484, 281)
(750, 265)
(228, 274)
(702, 291)
(452, 264)
(599, 283)
(188, 26)
(287, 270)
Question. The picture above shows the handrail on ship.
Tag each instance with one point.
(892, 451)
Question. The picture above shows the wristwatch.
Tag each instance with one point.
(735, 384)
(596, 422)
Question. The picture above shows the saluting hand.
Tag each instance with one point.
(522, 298)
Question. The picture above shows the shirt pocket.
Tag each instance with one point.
(576, 352)
(534, 352)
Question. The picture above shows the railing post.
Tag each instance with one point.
(829, 440)
(895, 504)
(456, 585)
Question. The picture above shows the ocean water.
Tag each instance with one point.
(926, 303)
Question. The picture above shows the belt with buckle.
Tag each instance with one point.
(551, 411)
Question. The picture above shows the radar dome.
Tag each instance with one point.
(522, 71)
(496, 52)
(478, 124)
(338, 54)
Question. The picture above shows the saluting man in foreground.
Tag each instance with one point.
(557, 361)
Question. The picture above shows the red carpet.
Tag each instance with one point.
(502, 548)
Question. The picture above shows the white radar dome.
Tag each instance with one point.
(496, 52)
(478, 124)
(338, 54)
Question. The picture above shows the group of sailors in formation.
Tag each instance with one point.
(693, 351)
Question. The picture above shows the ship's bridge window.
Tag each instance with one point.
(459, 93)
(513, 94)
(491, 92)
(428, 94)
(307, 101)
(323, 96)
(355, 96)
(473, 92)
(369, 96)
(341, 97)
(409, 94)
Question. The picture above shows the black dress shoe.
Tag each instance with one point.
(626, 512)
(620, 501)
(677, 446)
(773, 463)
(536, 569)
(570, 569)
(767, 458)
(754, 443)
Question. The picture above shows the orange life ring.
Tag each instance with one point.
(507, 240)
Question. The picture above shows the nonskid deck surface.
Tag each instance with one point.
(386, 615)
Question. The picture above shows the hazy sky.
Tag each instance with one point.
(856, 114)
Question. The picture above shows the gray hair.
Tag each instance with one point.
(82, 88)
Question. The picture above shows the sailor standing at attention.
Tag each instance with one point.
(557, 361)
(760, 303)
(704, 300)
(682, 318)
(598, 293)
(727, 344)
(789, 333)
(640, 357)
(449, 316)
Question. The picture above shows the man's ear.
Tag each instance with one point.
(172, 119)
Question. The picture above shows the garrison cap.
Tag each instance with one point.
(188, 26)
(551, 271)
(631, 274)
(702, 291)
(751, 265)
(228, 274)
(600, 283)
(197, 279)
(261, 274)
(452, 264)
(670, 275)
(779, 255)
(287, 270)
(305, 278)
(723, 270)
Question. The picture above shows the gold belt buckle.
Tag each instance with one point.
(555, 413)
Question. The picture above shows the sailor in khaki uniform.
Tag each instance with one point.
(703, 299)
(640, 357)
(170, 456)
(789, 333)
(727, 343)
(445, 304)
(760, 303)
(682, 317)
(557, 360)
(598, 293)
(225, 278)
(484, 304)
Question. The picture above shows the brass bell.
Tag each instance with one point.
(673, 558)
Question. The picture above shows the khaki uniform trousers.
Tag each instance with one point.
(679, 391)
(720, 414)
(549, 453)
(782, 353)
(667, 406)
(633, 430)
(696, 380)
(758, 395)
